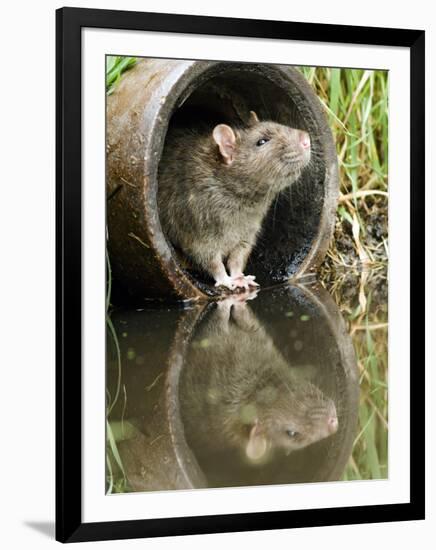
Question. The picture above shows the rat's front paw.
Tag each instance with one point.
(244, 281)
(251, 281)
(226, 282)
(240, 282)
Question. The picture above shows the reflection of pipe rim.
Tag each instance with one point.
(336, 323)
(176, 361)
(186, 460)
(140, 255)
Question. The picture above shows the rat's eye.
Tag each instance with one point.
(262, 142)
(291, 433)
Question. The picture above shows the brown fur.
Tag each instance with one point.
(214, 193)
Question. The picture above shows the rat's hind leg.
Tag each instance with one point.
(236, 264)
(216, 268)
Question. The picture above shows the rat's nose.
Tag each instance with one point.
(304, 139)
(332, 424)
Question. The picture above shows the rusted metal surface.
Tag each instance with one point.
(299, 226)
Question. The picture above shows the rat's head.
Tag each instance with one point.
(291, 421)
(269, 155)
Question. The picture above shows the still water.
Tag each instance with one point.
(240, 392)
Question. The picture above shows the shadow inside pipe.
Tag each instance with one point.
(235, 393)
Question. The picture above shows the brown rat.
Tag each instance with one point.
(238, 391)
(215, 188)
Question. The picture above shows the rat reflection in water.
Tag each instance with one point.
(239, 392)
(234, 393)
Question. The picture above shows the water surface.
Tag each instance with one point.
(240, 392)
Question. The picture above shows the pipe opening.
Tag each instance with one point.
(226, 94)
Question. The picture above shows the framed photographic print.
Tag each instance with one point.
(240, 252)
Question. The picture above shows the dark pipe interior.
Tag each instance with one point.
(291, 225)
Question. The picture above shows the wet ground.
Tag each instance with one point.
(248, 392)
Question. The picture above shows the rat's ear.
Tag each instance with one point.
(257, 443)
(253, 118)
(225, 139)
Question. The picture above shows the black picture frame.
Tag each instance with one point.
(69, 525)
